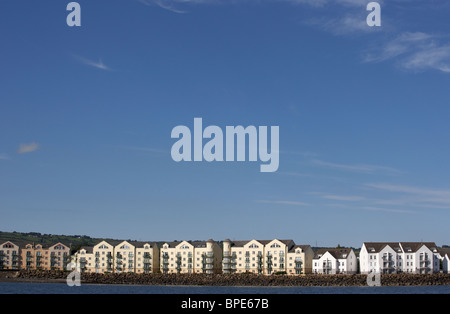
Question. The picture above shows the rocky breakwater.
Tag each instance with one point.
(236, 279)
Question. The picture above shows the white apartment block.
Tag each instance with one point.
(335, 261)
(190, 257)
(266, 257)
(398, 257)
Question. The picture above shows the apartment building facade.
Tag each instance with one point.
(299, 260)
(45, 257)
(9, 255)
(190, 257)
(399, 257)
(84, 259)
(147, 257)
(118, 257)
(266, 257)
(335, 261)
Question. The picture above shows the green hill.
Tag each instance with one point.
(75, 241)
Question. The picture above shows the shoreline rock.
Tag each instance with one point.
(243, 280)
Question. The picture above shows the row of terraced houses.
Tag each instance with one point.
(264, 257)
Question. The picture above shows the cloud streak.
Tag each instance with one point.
(361, 168)
(95, 64)
(166, 5)
(415, 196)
(414, 51)
(28, 148)
(343, 198)
(294, 203)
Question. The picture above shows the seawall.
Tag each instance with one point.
(227, 279)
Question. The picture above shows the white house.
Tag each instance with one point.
(335, 261)
(397, 257)
(445, 258)
(380, 257)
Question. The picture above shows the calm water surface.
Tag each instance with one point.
(52, 288)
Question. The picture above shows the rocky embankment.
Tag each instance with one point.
(229, 279)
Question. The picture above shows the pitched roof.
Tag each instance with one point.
(140, 244)
(399, 247)
(288, 243)
(376, 247)
(337, 253)
(88, 249)
(444, 251)
(415, 246)
(304, 247)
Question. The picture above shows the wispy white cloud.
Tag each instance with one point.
(350, 24)
(343, 198)
(173, 5)
(295, 203)
(96, 64)
(363, 168)
(371, 208)
(27, 148)
(414, 51)
(415, 196)
(167, 5)
(388, 210)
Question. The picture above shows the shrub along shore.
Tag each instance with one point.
(227, 279)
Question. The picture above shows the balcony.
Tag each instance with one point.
(327, 266)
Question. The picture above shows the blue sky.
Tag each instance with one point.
(87, 113)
